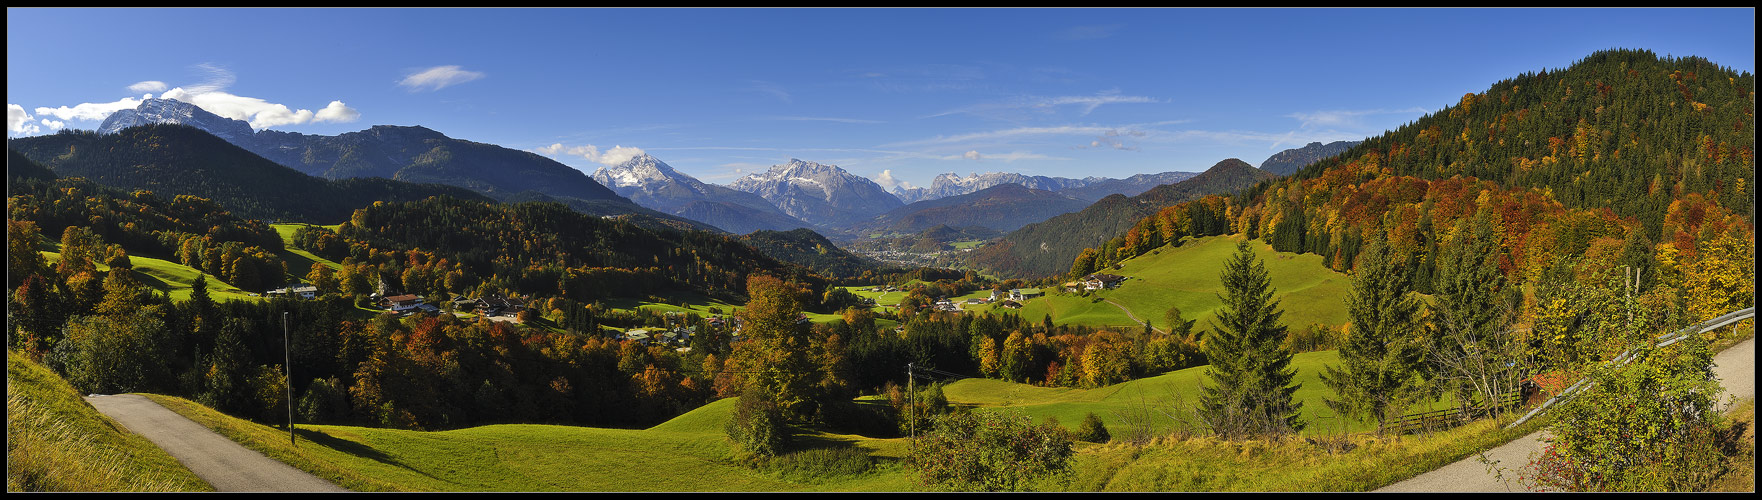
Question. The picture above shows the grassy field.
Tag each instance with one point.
(300, 261)
(1187, 277)
(1166, 392)
(55, 441)
(690, 452)
(175, 279)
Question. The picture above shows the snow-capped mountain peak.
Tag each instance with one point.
(159, 111)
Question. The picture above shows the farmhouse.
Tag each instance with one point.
(401, 303)
(1021, 294)
(1100, 281)
(301, 291)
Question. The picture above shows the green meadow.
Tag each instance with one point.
(691, 452)
(172, 278)
(1188, 277)
(300, 261)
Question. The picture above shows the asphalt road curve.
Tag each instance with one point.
(221, 462)
(1735, 367)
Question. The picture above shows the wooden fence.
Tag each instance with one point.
(1446, 418)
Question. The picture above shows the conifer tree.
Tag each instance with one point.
(1250, 369)
(1381, 359)
(1474, 354)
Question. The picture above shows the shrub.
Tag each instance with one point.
(990, 451)
(1092, 430)
(757, 426)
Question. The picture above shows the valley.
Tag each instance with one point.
(1164, 272)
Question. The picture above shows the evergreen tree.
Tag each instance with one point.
(1474, 354)
(1250, 369)
(1381, 359)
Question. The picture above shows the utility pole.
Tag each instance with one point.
(288, 358)
(911, 394)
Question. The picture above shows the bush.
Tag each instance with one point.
(1092, 430)
(990, 451)
(819, 465)
(757, 426)
(865, 419)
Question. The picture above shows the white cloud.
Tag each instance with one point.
(53, 124)
(336, 112)
(887, 181)
(1089, 32)
(1007, 157)
(825, 119)
(148, 86)
(1045, 104)
(769, 88)
(614, 156)
(438, 77)
(90, 111)
(1349, 118)
(209, 95)
(18, 121)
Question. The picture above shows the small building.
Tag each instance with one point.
(1100, 281)
(400, 303)
(1010, 304)
(1022, 294)
(301, 291)
(641, 336)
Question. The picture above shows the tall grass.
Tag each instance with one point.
(55, 441)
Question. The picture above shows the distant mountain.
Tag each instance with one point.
(1096, 189)
(820, 194)
(950, 184)
(411, 154)
(1087, 188)
(654, 184)
(178, 159)
(811, 250)
(1002, 208)
(1289, 161)
(1048, 248)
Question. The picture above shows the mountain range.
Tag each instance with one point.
(1048, 247)
(652, 183)
(821, 194)
(1287, 162)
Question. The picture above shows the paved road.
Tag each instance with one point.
(1735, 367)
(225, 464)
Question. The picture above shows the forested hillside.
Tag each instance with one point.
(1622, 159)
(1047, 248)
(177, 159)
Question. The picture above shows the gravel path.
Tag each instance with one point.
(1735, 367)
(225, 464)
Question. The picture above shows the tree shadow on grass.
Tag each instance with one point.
(346, 446)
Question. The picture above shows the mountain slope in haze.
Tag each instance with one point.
(1003, 208)
(820, 194)
(1289, 161)
(811, 250)
(654, 184)
(411, 154)
(950, 184)
(177, 159)
(1130, 186)
(1048, 248)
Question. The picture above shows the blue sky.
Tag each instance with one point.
(897, 95)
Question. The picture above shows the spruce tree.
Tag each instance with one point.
(1381, 358)
(1474, 354)
(1250, 369)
